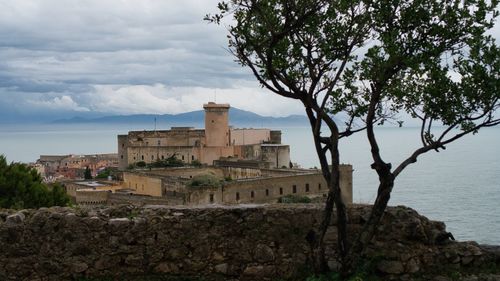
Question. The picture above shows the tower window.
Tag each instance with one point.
(211, 198)
(281, 190)
(319, 186)
(307, 187)
(252, 194)
(267, 192)
(294, 189)
(237, 196)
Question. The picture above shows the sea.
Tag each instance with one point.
(459, 185)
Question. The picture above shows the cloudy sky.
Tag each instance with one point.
(73, 57)
(101, 57)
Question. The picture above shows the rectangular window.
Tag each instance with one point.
(237, 196)
(182, 157)
(252, 194)
(281, 191)
(319, 186)
(192, 157)
(307, 187)
(211, 198)
(267, 192)
(294, 189)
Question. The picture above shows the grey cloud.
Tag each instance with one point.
(68, 55)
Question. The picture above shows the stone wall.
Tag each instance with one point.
(259, 242)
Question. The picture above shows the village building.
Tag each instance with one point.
(62, 167)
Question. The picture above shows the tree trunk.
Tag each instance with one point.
(386, 179)
(334, 198)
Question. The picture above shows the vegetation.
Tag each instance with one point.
(87, 174)
(104, 174)
(171, 161)
(290, 198)
(207, 180)
(366, 63)
(196, 163)
(21, 187)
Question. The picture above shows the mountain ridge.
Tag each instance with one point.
(192, 118)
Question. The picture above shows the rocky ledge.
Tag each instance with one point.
(246, 242)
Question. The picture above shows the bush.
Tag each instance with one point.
(171, 161)
(104, 174)
(196, 163)
(207, 180)
(287, 199)
(141, 164)
(21, 187)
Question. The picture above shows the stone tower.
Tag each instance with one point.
(216, 124)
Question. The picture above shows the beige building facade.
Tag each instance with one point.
(217, 140)
(245, 185)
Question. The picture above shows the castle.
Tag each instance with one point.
(241, 166)
(218, 140)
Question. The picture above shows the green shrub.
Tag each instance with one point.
(171, 161)
(196, 163)
(207, 180)
(294, 199)
(21, 187)
(141, 164)
(104, 174)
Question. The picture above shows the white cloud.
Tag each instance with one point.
(65, 103)
(160, 99)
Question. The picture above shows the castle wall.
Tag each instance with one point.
(247, 152)
(174, 137)
(278, 155)
(249, 136)
(246, 185)
(141, 200)
(241, 173)
(92, 197)
(150, 154)
(143, 184)
(209, 154)
(264, 190)
(275, 136)
(186, 172)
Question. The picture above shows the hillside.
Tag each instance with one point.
(237, 117)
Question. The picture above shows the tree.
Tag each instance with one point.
(365, 62)
(87, 174)
(22, 187)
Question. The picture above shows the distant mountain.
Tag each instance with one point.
(237, 118)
